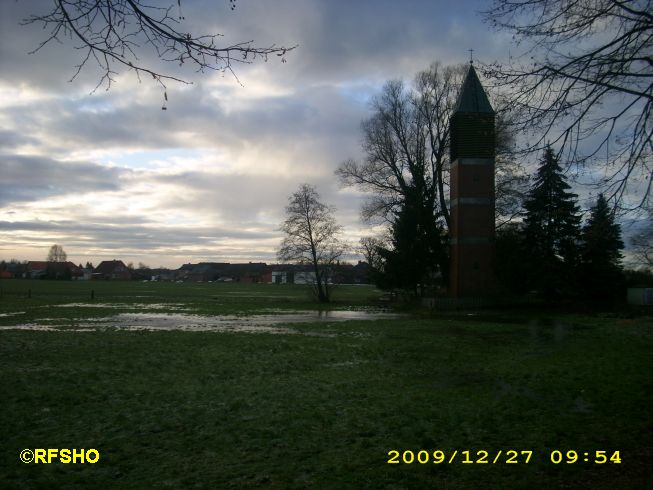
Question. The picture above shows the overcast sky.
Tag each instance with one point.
(111, 175)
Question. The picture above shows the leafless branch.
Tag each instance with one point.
(584, 82)
(118, 33)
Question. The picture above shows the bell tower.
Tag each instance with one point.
(472, 191)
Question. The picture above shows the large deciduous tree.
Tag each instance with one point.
(120, 34)
(370, 247)
(406, 146)
(311, 237)
(56, 254)
(551, 229)
(584, 81)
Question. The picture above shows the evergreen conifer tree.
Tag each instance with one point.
(418, 247)
(552, 229)
(600, 252)
(511, 259)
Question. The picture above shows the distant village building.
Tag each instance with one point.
(304, 274)
(352, 274)
(252, 272)
(160, 274)
(36, 269)
(248, 273)
(292, 274)
(307, 277)
(13, 270)
(87, 273)
(53, 270)
(282, 276)
(112, 270)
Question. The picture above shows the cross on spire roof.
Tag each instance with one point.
(472, 96)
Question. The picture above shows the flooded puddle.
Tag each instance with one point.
(266, 323)
(129, 306)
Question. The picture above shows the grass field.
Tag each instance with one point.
(323, 406)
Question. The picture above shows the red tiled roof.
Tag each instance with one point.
(42, 265)
(109, 266)
(36, 265)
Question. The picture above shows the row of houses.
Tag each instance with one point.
(34, 269)
(252, 272)
(260, 272)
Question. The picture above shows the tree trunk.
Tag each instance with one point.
(321, 295)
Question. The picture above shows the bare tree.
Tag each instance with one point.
(642, 242)
(115, 33)
(406, 143)
(584, 82)
(56, 254)
(369, 247)
(312, 237)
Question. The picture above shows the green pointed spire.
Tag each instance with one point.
(472, 97)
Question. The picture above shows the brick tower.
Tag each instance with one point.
(472, 191)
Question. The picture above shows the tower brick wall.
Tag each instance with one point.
(472, 198)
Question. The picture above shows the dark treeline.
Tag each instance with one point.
(542, 246)
(550, 253)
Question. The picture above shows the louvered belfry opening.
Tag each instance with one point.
(472, 192)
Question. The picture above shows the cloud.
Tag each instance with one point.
(133, 238)
(11, 139)
(110, 174)
(28, 178)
